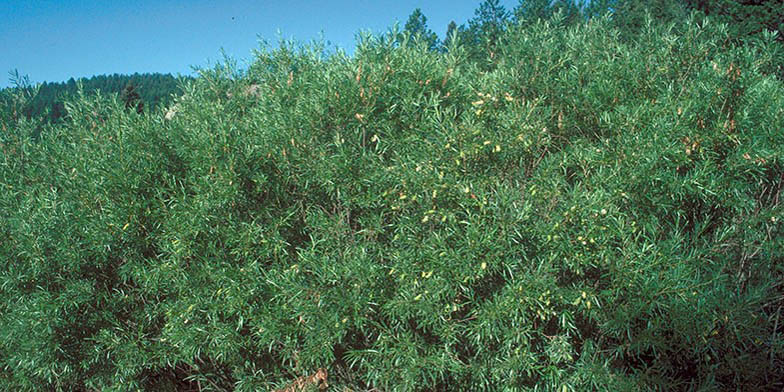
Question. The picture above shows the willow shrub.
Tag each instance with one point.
(592, 214)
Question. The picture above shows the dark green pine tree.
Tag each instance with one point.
(529, 11)
(490, 20)
(417, 26)
(451, 33)
(484, 30)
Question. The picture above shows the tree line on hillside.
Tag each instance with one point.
(137, 91)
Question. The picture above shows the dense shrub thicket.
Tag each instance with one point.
(592, 213)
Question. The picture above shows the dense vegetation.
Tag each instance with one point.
(589, 206)
(152, 91)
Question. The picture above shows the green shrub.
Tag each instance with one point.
(592, 214)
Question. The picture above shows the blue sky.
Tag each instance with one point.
(53, 40)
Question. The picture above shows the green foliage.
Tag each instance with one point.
(572, 11)
(596, 212)
(747, 20)
(631, 16)
(747, 17)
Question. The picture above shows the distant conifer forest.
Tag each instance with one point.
(150, 89)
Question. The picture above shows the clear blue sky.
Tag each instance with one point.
(53, 40)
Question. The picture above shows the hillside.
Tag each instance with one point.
(154, 90)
